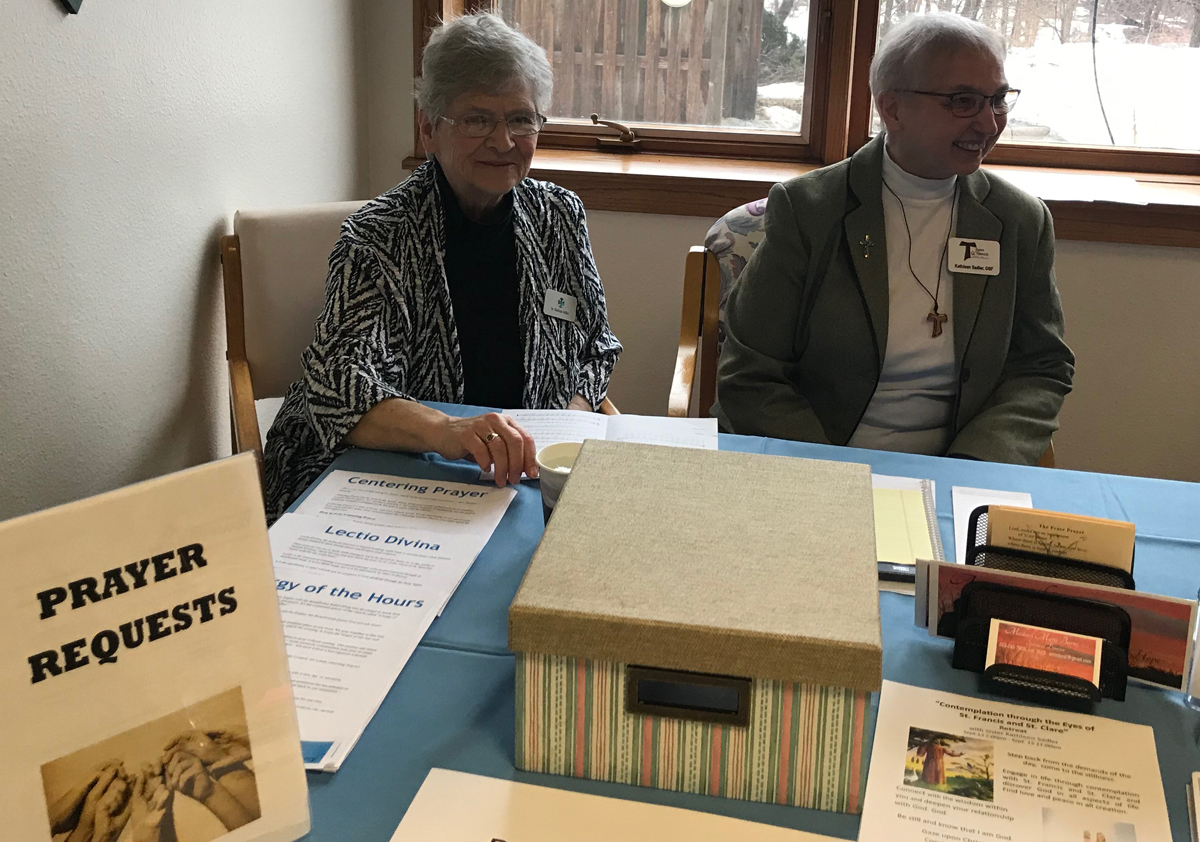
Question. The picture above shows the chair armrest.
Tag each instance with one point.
(607, 408)
(241, 410)
(680, 399)
(681, 383)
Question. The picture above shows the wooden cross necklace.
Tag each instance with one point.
(937, 318)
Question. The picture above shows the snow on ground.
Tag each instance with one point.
(1144, 87)
(783, 119)
(782, 90)
(1146, 90)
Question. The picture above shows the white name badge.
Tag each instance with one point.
(560, 305)
(973, 257)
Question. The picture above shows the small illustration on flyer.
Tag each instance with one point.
(962, 766)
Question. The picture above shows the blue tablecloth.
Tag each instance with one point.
(452, 706)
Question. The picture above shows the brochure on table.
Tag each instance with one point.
(551, 426)
(355, 602)
(947, 767)
(144, 677)
(458, 807)
(446, 510)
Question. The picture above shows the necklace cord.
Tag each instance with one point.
(945, 248)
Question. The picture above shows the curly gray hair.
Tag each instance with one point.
(480, 53)
(905, 52)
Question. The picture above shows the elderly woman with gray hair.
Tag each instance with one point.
(904, 299)
(467, 283)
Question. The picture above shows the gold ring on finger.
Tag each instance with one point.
(488, 438)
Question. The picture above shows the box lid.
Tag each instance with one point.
(702, 560)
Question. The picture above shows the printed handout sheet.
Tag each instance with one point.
(448, 508)
(948, 767)
(355, 602)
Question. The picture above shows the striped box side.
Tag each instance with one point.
(803, 746)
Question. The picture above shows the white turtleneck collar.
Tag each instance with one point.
(908, 186)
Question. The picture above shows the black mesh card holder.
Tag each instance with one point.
(980, 554)
(970, 626)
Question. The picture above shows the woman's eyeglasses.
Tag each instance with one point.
(970, 103)
(480, 125)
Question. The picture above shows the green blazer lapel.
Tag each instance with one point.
(974, 220)
(865, 237)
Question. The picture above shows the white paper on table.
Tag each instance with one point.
(445, 508)
(700, 433)
(966, 500)
(458, 807)
(552, 426)
(1009, 771)
(354, 609)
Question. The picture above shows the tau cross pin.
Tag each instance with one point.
(866, 243)
(938, 320)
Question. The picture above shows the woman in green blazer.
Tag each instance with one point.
(828, 338)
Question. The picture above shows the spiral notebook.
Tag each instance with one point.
(906, 526)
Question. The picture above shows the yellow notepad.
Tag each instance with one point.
(905, 520)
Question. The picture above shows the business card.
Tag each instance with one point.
(1049, 650)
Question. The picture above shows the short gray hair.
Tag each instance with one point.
(480, 54)
(906, 50)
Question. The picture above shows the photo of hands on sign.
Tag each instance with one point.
(200, 786)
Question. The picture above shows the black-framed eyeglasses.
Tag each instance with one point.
(480, 125)
(970, 103)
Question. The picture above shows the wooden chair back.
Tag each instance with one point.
(697, 336)
(274, 268)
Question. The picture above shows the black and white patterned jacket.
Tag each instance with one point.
(387, 330)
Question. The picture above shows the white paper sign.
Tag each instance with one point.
(144, 681)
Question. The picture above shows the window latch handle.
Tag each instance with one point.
(627, 142)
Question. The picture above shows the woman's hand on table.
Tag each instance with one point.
(581, 403)
(491, 440)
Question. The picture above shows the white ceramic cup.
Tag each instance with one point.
(554, 467)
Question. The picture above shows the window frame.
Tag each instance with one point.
(837, 113)
(825, 137)
(1044, 155)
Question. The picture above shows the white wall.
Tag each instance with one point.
(130, 134)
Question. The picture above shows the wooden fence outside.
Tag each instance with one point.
(701, 65)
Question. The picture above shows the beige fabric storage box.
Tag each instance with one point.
(702, 621)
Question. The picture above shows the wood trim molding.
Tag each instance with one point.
(695, 186)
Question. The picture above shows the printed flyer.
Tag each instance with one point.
(950, 768)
